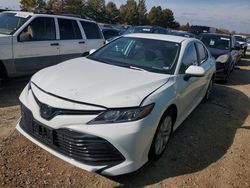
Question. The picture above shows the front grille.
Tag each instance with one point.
(82, 147)
(48, 112)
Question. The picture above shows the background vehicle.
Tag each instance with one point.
(110, 33)
(146, 29)
(115, 120)
(242, 40)
(225, 50)
(181, 33)
(197, 30)
(30, 42)
(248, 43)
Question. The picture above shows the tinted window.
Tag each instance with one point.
(91, 30)
(189, 58)
(110, 34)
(69, 29)
(218, 42)
(202, 52)
(40, 29)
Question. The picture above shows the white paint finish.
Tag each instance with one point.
(5, 47)
(22, 53)
(111, 86)
(93, 82)
(195, 71)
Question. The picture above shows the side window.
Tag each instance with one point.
(91, 30)
(69, 29)
(189, 58)
(202, 52)
(40, 29)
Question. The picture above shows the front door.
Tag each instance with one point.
(189, 90)
(36, 46)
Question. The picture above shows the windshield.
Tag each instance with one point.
(218, 42)
(10, 22)
(140, 53)
(240, 39)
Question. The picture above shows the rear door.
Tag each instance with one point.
(93, 34)
(35, 46)
(71, 42)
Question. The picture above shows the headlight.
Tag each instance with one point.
(222, 58)
(122, 115)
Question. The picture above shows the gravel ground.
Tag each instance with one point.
(210, 149)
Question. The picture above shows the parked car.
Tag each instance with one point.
(109, 33)
(116, 109)
(248, 43)
(30, 42)
(225, 50)
(242, 40)
(146, 29)
(181, 33)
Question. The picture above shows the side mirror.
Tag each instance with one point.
(92, 51)
(194, 71)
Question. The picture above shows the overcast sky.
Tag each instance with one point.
(228, 14)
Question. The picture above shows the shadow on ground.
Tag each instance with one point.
(202, 139)
(10, 91)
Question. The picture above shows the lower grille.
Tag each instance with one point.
(82, 147)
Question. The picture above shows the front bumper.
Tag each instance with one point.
(130, 141)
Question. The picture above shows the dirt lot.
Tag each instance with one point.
(210, 149)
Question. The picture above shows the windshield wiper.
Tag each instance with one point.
(136, 68)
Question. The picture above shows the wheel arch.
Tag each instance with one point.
(3, 71)
(172, 108)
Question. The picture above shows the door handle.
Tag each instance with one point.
(54, 44)
(81, 42)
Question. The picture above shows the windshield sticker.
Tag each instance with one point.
(222, 38)
(145, 29)
(211, 42)
(21, 15)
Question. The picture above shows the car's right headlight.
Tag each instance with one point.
(122, 115)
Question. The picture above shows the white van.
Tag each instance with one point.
(30, 41)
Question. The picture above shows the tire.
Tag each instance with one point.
(209, 90)
(162, 136)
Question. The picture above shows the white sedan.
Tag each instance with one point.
(116, 109)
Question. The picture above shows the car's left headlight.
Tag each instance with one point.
(122, 115)
(223, 58)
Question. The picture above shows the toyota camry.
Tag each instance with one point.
(116, 109)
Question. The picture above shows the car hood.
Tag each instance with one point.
(218, 52)
(96, 83)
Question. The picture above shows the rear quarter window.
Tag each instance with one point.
(91, 30)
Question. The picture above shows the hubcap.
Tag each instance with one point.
(163, 135)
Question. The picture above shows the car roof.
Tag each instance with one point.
(163, 37)
(215, 34)
(49, 15)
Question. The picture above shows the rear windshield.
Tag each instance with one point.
(10, 22)
(218, 42)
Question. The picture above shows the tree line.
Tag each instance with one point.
(132, 13)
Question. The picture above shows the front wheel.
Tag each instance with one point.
(162, 136)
